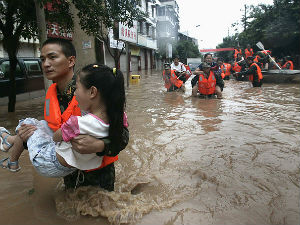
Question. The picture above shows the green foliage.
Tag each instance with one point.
(186, 49)
(277, 26)
(228, 42)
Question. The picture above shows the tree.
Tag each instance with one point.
(186, 49)
(16, 21)
(228, 42)
(99, 16)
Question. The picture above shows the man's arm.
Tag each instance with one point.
(86, 144)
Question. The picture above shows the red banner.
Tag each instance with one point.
(216, 50)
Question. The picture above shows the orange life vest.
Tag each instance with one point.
(172, 80)
(248, 52)
(260, 76)
(237, 67)
(237, 52)
(188, 72)
(207, 86)
(55, 119)
(291, 65)
(227, 67)
(266, 52)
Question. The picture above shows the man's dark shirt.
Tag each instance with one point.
(105, 177)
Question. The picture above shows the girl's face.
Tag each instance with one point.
(83, 96)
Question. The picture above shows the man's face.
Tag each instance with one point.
(54, 62)
(176, 61)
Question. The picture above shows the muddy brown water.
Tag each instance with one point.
(189, 161)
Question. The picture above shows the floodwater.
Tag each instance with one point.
(189, 161)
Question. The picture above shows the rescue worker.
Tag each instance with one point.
(207, 84)
(248, 51)
(254, 72)
(225, 68)
(288, 65)
(58, 58)
(239, 66)
(207, 59)
(179, 69)
(237, 50)
(172, 82)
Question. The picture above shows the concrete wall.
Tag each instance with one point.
(85, 53)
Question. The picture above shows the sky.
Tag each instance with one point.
(214, 17)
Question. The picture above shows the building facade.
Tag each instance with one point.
(167, 26)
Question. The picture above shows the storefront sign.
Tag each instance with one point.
(128, 34)
(55, 31)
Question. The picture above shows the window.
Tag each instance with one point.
(33, 67)
(4, 71)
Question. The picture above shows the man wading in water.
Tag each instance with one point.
(58, 60)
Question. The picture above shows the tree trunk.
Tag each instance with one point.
(40, 15)
(117, 58)
(11, 44)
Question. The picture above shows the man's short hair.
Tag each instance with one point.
(67, 47)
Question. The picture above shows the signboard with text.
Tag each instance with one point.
(128, 34)
(55, 31)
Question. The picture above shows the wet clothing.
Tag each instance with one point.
(105, 177)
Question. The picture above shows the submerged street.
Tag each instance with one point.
(189, 161)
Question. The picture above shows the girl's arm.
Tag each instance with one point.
(57, 136)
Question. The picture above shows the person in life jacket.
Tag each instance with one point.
(225, 68)
(288, 65)
(208, 58)
(237, 50)
(188, 72)
(260, 59)
(179, 69)
(248, 51)
(207, 84)
(254, 73)
(239, 66)
(172, 82)
(58, 60)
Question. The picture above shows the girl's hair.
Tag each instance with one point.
(110, 84)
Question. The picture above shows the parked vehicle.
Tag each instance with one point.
(193, 63)
(29, 76)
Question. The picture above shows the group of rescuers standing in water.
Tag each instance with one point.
(210, 75)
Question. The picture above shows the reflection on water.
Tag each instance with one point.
(189, 161)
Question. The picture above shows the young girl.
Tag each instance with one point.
(99, 92)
